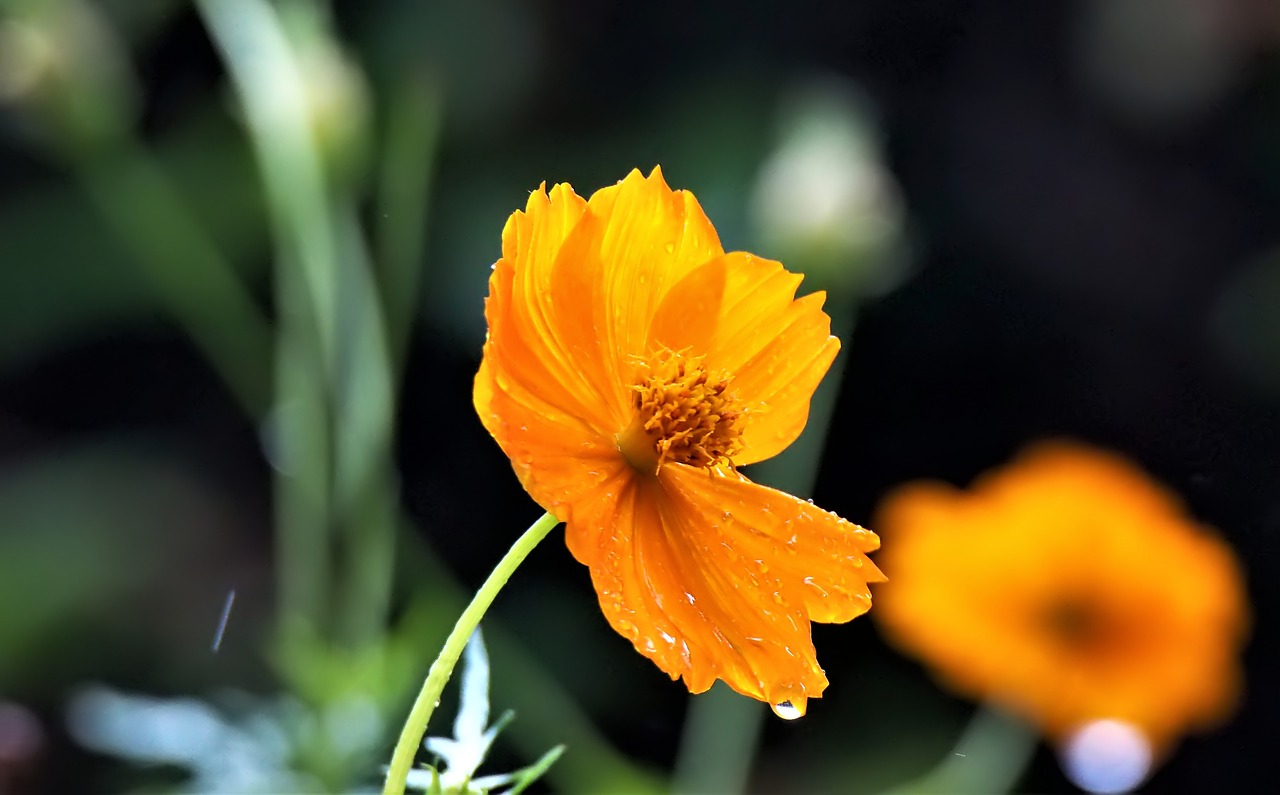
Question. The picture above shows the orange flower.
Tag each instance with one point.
(1067, 587)
(630, 366)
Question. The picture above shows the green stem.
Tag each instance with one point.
(545, 708)
(261, 62)
(719, 742)
(989, 757)
(182, 264)
(414, 124)
(415, 728)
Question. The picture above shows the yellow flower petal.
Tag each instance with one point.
(630, 366)
(557, 456)
(537, 337)
(652, 237)
(823, 556)
(1069, 588)
(741, 310)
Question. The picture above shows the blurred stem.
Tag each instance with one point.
(414, 120)
(298, 436)
(270, 85)
(365, 486)
(184, 267)
(415, 728)
(989, 758)
(272, 92)
(719, 741)
(335, 383)
(722, 729)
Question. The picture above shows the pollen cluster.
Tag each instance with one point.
(684, 415)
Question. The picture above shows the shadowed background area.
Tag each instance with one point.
(1034, 220)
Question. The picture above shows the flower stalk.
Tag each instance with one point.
(990, 756)
(415, 728)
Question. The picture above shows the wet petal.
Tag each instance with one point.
(740, 310)
(815, 552)
(652, 237)
(758, 597)
(699, 614)
(618, 534)
(538, 308)
(556, 455)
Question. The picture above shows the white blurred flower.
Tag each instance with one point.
(188, 733)
(253, 752)
(824, 195)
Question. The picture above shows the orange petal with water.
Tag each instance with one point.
(535, 333)
(651, 237)
(741, 311)
(557, 457)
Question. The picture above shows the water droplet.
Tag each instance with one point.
(670, 641)
(788, 710)
(809, 582)
(689, 596)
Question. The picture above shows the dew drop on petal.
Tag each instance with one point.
(789, 710)
(1107, 756)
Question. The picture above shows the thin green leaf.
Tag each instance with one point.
(532, 773)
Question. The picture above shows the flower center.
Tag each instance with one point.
(683, 414)
(1072, 622)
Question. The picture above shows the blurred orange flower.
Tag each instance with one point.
(1067, 587)
(631, 365)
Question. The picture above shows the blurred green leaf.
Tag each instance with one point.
(530, 774)
(66, 274)
(81, 532)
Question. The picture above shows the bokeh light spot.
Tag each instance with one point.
(1107, 756)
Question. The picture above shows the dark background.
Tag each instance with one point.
(1092, 198)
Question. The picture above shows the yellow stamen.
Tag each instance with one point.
(684, 414)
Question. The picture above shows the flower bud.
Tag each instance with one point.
(824, 202)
